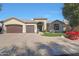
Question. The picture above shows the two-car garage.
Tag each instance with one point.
(19, 28)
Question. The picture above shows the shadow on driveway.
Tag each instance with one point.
(50, 49)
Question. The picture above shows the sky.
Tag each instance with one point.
(52, 11)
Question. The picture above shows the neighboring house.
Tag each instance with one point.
(56, 26)
(14, 25)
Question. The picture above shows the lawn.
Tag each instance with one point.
(52, 34)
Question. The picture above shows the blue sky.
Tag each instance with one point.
(52, 11)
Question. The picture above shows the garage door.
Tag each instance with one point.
(30, 28)
(14, 28)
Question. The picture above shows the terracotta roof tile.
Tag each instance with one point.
(39, 18)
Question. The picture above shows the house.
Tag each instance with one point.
(56, 26)
(14, 25)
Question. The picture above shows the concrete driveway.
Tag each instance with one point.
(42, 44)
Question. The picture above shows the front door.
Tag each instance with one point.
(56, 27)
(39, 26)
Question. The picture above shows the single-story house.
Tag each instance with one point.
(14, 25)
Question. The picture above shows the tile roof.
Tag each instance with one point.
(39, 18)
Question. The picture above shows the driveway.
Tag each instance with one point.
(41, 44)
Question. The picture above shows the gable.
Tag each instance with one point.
(61, 24)
(13, 21)
(57, 22)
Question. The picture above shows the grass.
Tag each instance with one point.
(52, 34)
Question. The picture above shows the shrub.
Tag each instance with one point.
(73, 35)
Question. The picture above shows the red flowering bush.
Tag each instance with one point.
(73, 35)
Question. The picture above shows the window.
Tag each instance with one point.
(56, 26)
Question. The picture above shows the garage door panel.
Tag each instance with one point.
(30, 28)
(14, 28)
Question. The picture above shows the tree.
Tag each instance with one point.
(71, 13)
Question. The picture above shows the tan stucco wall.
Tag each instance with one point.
(13, 21)
(45, 23)
(39, 20)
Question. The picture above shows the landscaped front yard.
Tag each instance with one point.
(49, 34)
